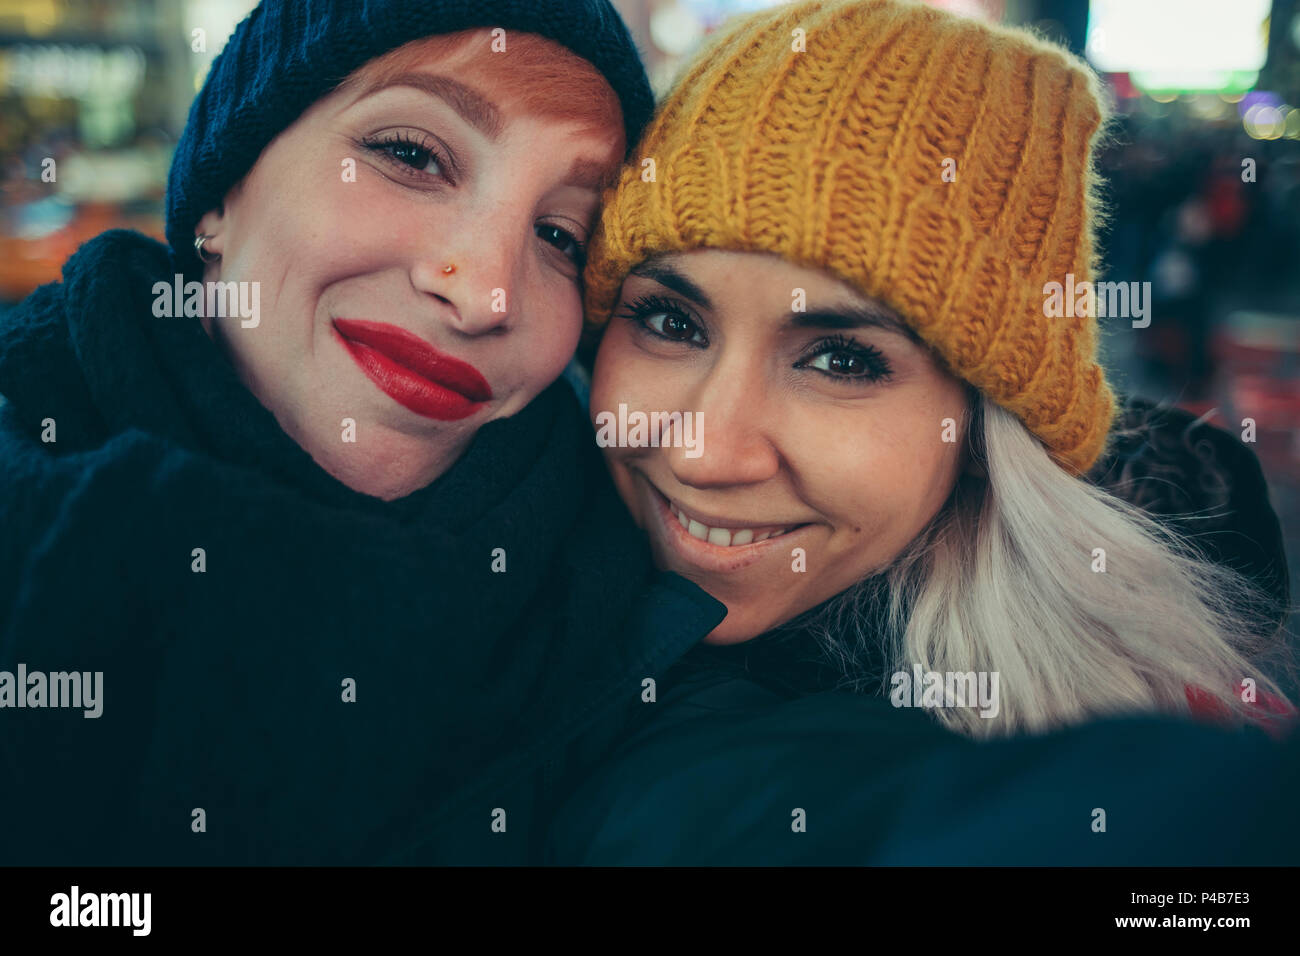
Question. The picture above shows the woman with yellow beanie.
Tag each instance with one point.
(823, 288)
(829, 391)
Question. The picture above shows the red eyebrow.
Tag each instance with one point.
(475, 108)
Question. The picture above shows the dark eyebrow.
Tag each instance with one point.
(854, 316)
(473, 107)
(862, 315)
(670, 278)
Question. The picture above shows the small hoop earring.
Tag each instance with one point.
(204, 256)
(449, 268)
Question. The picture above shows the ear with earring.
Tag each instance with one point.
(199, 251)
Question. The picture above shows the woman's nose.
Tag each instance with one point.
(474, 273)
(735, 428)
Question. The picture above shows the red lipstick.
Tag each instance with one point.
(412, 372)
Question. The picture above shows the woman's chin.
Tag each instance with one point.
(747, 617)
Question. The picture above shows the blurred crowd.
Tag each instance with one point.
(1211, 218)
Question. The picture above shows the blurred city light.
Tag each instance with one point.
(1180, 45)
(676, 29)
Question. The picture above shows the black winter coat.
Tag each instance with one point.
(227, 733)
(728, 773)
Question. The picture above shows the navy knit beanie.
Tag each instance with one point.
(289, 53)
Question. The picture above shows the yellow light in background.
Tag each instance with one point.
(38, 17)
(1291, 129)
(1264, 122)
(1209, 107)
(1271, 122)
(1164, 97)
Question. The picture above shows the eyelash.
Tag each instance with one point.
(386, 145)
(878, 367)
(639, 310)
(644, 306)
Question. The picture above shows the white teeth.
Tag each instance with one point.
(724, 537)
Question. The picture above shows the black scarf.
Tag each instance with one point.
(224, 690)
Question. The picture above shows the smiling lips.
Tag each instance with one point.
(412, 372)
(723, 537)
(714, 547)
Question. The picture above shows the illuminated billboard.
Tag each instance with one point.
(1176, 46)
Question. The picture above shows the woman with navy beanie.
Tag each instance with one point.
(307, 556)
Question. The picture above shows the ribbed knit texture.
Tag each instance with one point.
(834, 158)
(288, 53)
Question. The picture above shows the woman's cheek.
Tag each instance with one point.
(373, 210)
(613, 373)
(627, 374)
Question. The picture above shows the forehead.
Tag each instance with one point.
(515, 73)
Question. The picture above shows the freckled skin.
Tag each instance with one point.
(860, 463)
(377, 249)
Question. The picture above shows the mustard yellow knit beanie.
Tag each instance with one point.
(935, 163)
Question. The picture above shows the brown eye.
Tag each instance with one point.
(415, 160)
(414, 156)
(843, 363)
(672, 325)
(844, 360)
(563, 240)
(676, 327)
(662, 318)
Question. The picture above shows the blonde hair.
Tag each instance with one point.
(1003, 580)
